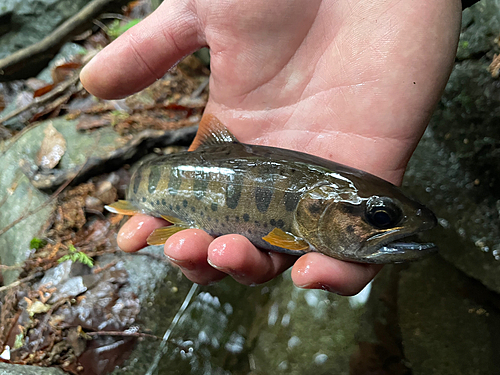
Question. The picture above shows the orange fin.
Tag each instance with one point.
(161, 235)
(173, 220)
(211, 132)
(279, 238)
(123, 208)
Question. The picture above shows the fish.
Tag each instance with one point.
(281, 200)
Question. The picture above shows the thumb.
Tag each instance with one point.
(145, 52)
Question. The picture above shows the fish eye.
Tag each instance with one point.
(382, 212)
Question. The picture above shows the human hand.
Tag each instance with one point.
(350, 81)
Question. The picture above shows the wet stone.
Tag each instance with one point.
(449, 322)
(455, 170)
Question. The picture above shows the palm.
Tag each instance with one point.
(351, 81)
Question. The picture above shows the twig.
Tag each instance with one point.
(203, 85)
(12, 188)
(35, 210)
(123, 334)
(30, 60)
(14, 267)
(49, 200)
(20, 281)
(44, 98)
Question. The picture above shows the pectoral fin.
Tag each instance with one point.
(279, 238)
(122, 208)
(161, 235)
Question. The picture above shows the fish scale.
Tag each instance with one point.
(281, 200)
(199, 189)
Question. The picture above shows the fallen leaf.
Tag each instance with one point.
(52, 149)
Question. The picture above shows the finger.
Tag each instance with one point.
(235, 255)
(317, 271)
(134, 233)
(144, 53)
(188, 250)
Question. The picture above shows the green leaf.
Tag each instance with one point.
(115, 29)
(76, 256)
(37, 243)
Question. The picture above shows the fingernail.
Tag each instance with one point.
(182, 264)
(321, 286)
(234, 274)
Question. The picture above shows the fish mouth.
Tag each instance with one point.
(397, 252)
(403, 247)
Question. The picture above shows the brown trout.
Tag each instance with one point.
(281, 200)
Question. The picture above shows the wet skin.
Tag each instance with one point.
(353, 82)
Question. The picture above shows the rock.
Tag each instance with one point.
(87, 153)
(31, 20)
(455, 170)
(480, 27)
(7, 369)
(229, 328)
(449, 322)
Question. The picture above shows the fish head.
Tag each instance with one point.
(352, 225)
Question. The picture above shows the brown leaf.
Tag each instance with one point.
(43, 90)
(52, 149)
(63, 71)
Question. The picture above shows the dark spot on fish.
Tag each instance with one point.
(350, 229)
(214, 206)
(209, 218)
(217, 221)
(228, 152)
(137, 180)
(280, 223)
(257, 223)
(144, 199)
(202, 213)
(193, 209)
(157, 202)
(178, 208)
(233, 190)
(185, 203)
(174, 181)
(152, 203)
(227, 218)
(170, 207)
(154, 178)
(291, 200)
(315, 208)
(237, 218)
(272, 222)
(265, 225)
(164, 202)
(263, 196)
(292, 170)
(246, 217)
(223, 225)
(249, 231)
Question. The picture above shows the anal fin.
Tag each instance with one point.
(161, 235)
(279, 238)
(173, 220)
(122, 208)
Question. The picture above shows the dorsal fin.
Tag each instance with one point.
(211, 132)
